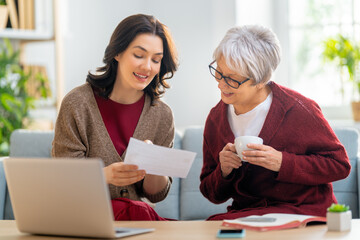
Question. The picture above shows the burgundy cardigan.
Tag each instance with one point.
(313, 157)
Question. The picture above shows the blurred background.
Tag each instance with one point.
(54, 43)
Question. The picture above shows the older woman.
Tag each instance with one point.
(292, 171)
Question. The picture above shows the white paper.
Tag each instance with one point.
(159, 160)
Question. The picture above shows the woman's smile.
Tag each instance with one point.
(141, 77)
(227, 94)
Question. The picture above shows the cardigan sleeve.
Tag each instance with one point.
(213, 185)
(169, 137)
(319, 167)
(166, 134)
(320, 158)
(157, 197)
(67, 139)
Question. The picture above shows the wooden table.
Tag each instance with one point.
(188, 230)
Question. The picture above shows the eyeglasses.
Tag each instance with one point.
(228, 80)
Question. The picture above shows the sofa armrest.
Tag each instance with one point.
(31, 143)
(347, 191)
(358, 182)
(2, 188)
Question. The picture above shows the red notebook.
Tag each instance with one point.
(272, 221)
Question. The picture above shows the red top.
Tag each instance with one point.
(120, 120)
(312, 158)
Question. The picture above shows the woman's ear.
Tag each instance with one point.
(117, 57)
(260, 85)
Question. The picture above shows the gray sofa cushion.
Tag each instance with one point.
(27, 143)
(3, 189)
(193, 205)
(31, 143)
(169, 208)
(185, 202)
(347, 190)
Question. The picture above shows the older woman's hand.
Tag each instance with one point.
(264, 156)
(228, 159)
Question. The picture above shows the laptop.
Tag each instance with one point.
(66, 197)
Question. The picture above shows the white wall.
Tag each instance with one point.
(84, 28)
(271, 14)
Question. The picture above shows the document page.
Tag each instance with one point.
(159, 160)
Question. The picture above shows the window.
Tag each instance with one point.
(302, 27)
(311, 22)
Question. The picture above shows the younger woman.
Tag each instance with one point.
(97, 119)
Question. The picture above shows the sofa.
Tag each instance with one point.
(184, 202)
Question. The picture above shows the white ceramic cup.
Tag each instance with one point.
(242, 141)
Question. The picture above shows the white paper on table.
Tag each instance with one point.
(159, 160)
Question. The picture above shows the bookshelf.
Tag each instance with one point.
(36, 41)
(41, 26)
(26, 34)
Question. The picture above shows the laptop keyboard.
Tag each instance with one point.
(120, 230)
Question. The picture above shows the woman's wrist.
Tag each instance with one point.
(154, 184)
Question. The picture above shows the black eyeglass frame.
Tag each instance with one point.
(226, 78)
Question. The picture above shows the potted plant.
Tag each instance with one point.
(15, 102)
(346, 55)
(338, 217)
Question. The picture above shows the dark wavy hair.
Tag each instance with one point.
(126, 31)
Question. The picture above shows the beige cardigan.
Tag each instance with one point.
(81, 133)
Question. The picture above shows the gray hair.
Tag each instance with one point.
(251, 51)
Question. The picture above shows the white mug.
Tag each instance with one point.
(242, 141)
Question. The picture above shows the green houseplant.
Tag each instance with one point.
(338, 217)
(15, 101)
(338, 208)
(345, 53)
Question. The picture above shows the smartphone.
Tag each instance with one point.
(231, 233)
